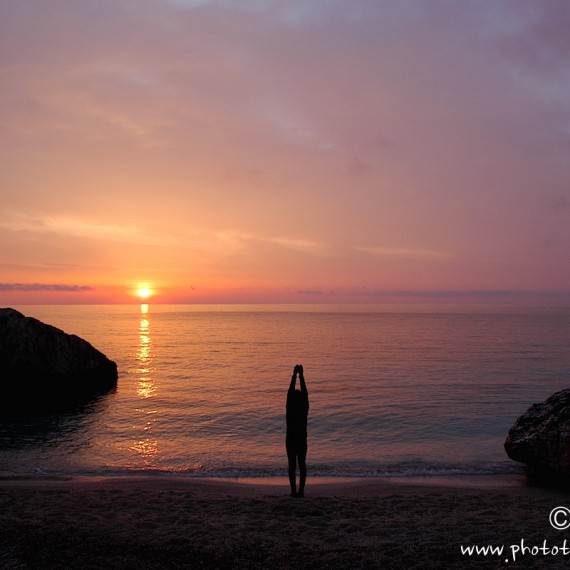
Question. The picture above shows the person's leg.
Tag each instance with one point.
(292, 460)
(302, 456)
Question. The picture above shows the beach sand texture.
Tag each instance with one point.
(151, 523)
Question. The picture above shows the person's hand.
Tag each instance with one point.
(296, 370)
(300, 369)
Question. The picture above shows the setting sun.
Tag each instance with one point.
(144, 292)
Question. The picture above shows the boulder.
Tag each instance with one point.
(40, 365)
(541, 437)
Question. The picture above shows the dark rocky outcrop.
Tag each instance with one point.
(42, 366)
(541, 439)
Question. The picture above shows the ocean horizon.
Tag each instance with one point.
(394, 390)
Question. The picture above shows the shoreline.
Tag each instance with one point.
(274, 484)
(150, 522)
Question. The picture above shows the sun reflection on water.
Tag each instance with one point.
(147, 449)
(146, 387)
(145, 445)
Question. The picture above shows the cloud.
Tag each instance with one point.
(43, 287)
(233, 241)
(298, 244)
(82, 228)
(406, 252)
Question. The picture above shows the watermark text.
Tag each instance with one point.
(559, 519)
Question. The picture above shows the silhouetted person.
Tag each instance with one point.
(296, 440)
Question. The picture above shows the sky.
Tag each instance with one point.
(284, 151)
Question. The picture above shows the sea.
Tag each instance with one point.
(394, 390)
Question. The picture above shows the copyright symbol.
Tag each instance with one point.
(560, 518)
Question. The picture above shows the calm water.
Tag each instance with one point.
(393, 389)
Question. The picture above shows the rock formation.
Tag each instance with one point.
(541, 437)
(42, 366)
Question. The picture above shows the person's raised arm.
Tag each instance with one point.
(303, 385)
(302, 380)
(293, 379)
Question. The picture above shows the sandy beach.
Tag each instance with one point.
(164, 522)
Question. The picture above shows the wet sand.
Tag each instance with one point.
(173, 522)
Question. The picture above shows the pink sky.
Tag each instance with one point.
(286, 151)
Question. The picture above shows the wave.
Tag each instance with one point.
(405, 469)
